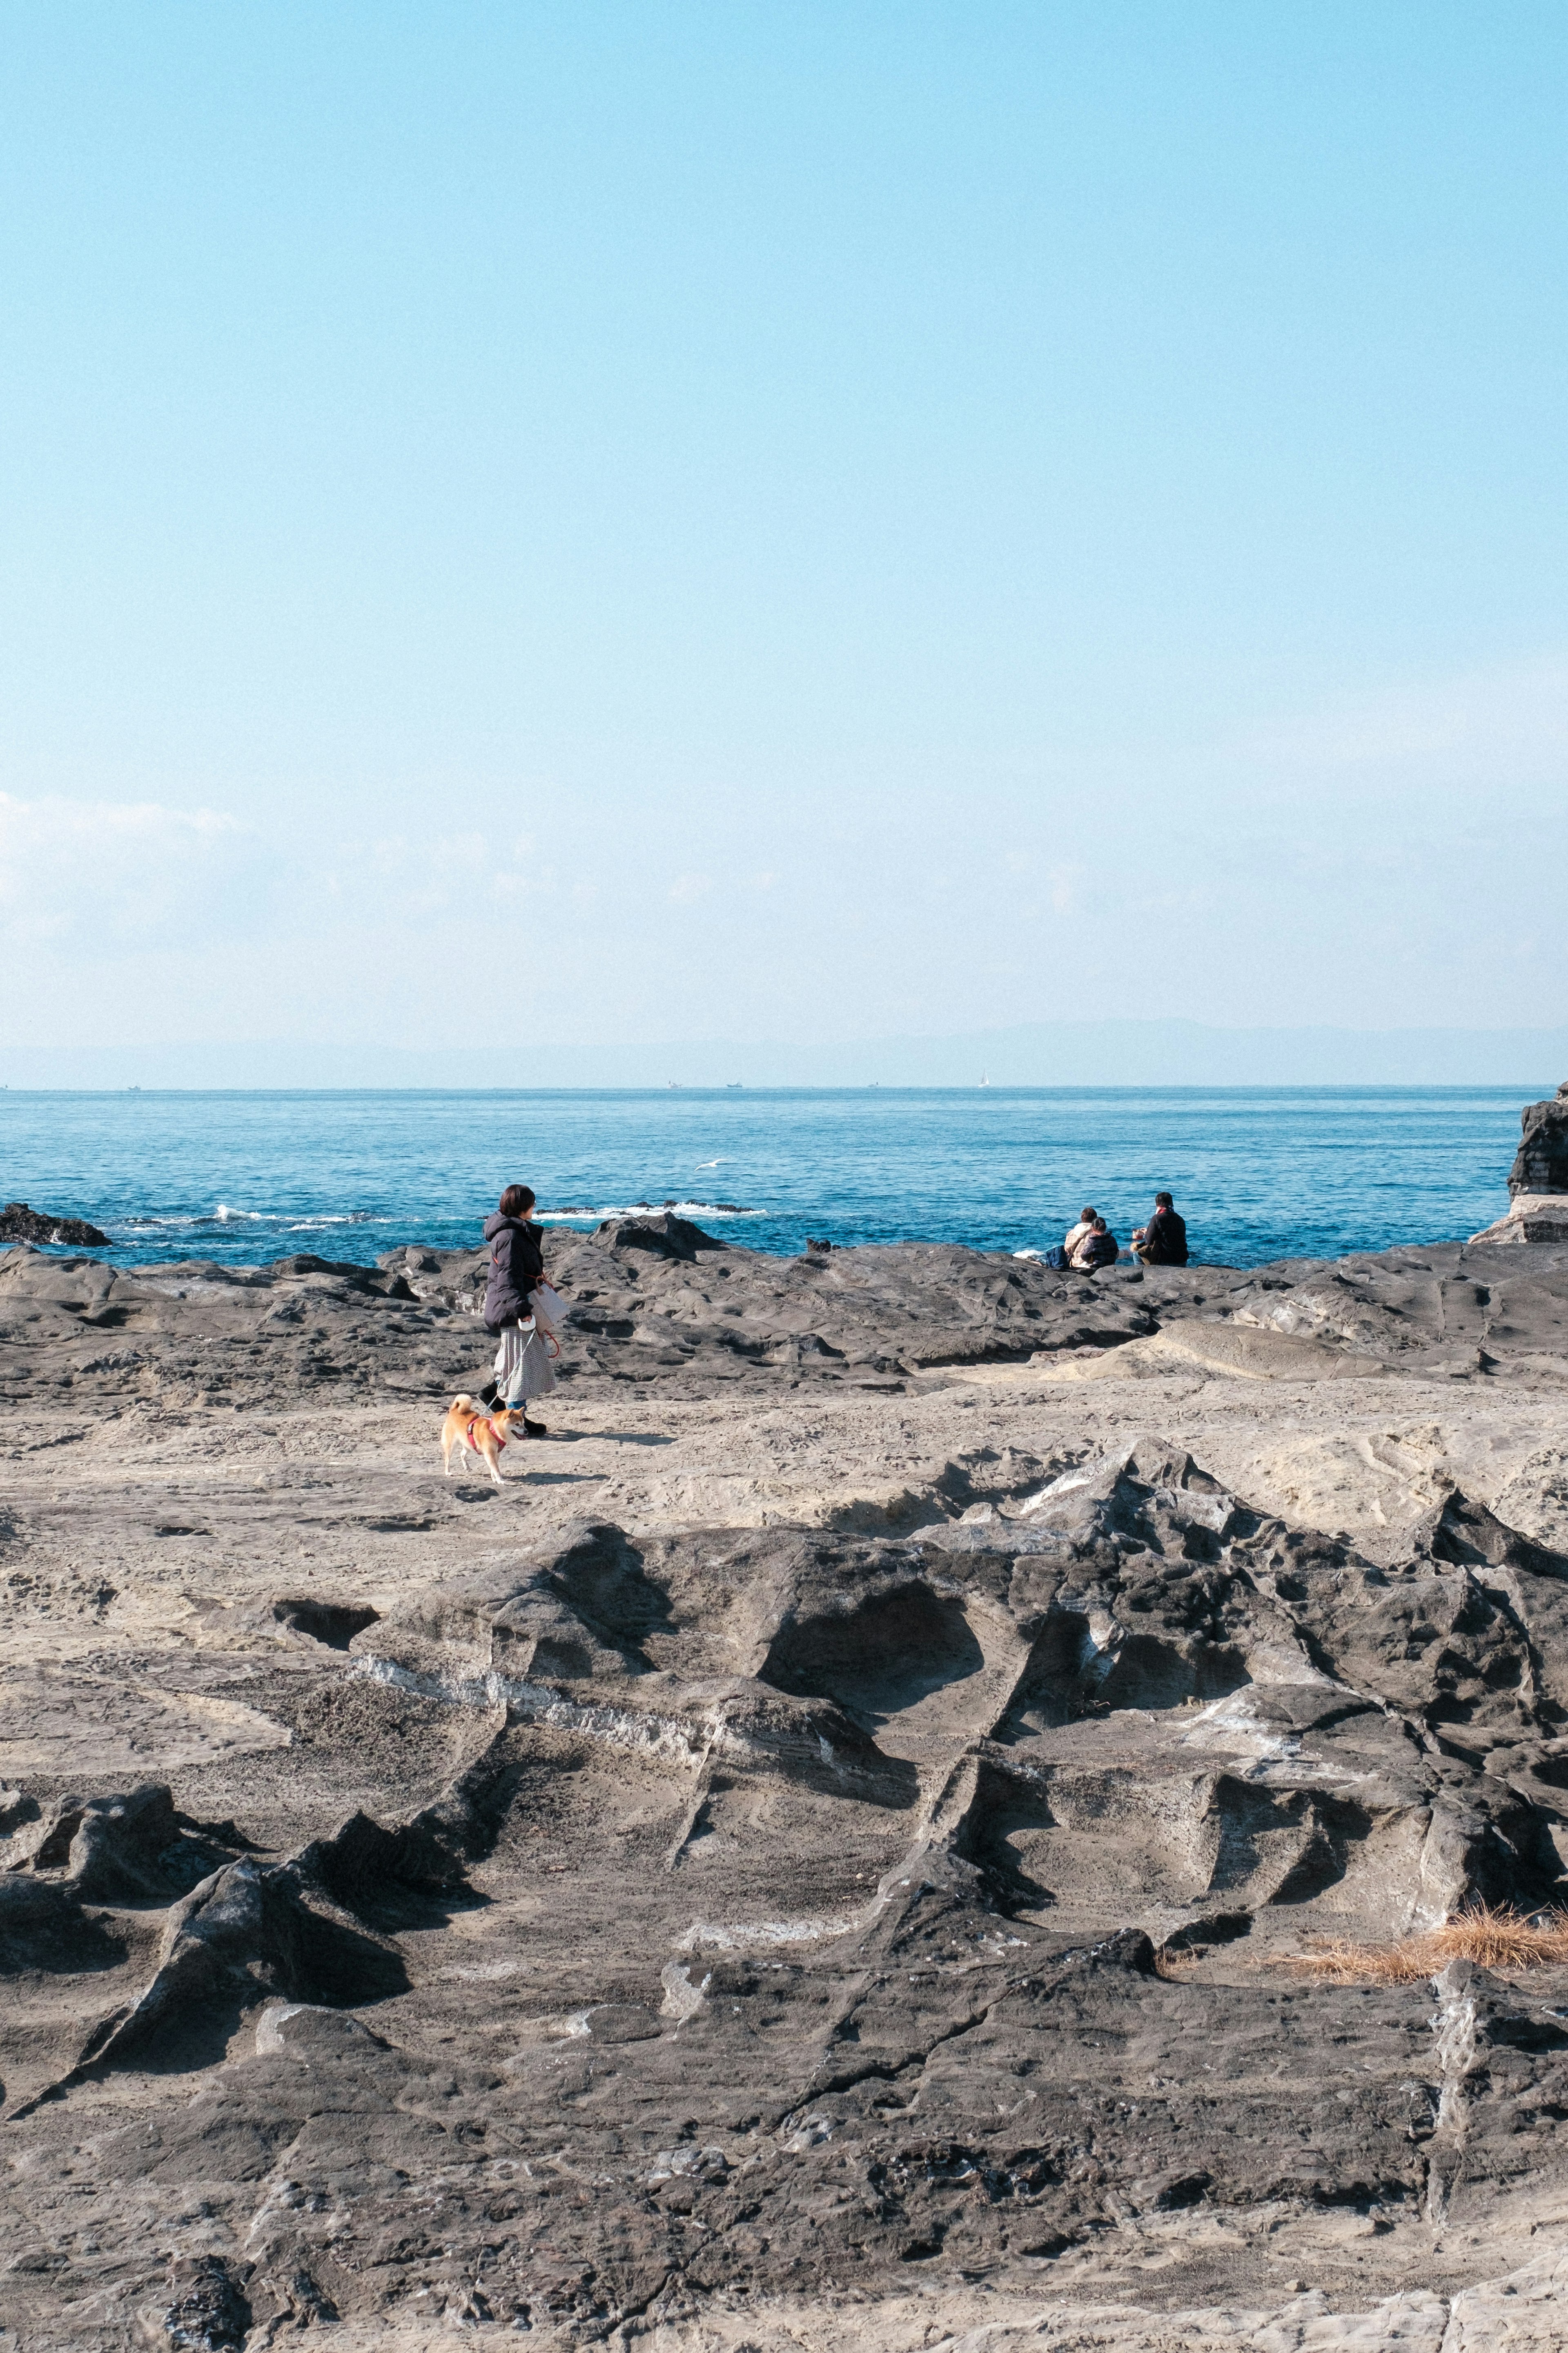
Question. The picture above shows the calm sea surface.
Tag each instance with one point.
(1258, 1173)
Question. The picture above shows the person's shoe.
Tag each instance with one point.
(533, 1428)
(489, 1394)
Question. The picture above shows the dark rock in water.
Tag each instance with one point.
(20, 1224)
(1540, 1165)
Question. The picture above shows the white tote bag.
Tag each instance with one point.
(549, 1310)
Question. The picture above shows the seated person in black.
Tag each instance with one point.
(1163, 1240)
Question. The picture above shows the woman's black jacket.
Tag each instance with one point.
(516, 1263)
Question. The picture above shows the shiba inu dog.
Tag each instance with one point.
(484, 1434)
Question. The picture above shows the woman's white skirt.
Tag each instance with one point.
(523, 1367)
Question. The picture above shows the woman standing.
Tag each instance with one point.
(522, 1367)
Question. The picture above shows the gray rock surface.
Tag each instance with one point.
(812, 1853)
(679, 1319)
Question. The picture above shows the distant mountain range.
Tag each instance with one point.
(1035, 1054)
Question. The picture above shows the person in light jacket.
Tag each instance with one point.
(1097, 1247)
(522, 1367)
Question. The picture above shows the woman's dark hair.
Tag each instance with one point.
(1163, 1201)
(1090, 1216)
(515, 1201)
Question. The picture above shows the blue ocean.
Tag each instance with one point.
(1257, 1173)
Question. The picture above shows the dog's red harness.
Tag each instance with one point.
(474, 1422)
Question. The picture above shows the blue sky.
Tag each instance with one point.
(780, 520)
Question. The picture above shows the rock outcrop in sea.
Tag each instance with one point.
(1541, 1164)
(1538, 1181)
(19, 1223)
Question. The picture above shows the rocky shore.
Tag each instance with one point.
(821, 1855)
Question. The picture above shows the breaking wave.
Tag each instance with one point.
(282, 1221)
(574, 1216)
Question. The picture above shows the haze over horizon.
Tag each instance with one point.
(1144, 1055)
(531, 530)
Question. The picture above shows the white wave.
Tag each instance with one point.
(647, 1210)
(356, 1217)
(224, 1215)
(134, 1227)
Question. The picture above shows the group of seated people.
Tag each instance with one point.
(1090, 1243)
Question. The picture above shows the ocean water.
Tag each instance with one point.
(1257, 1173)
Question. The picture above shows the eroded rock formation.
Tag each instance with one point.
(425, 1907)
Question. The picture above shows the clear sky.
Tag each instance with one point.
(780, 520)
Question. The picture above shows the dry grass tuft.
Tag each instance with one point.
(1498, 1938)
(1342, 1963)
(1504, 1939)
